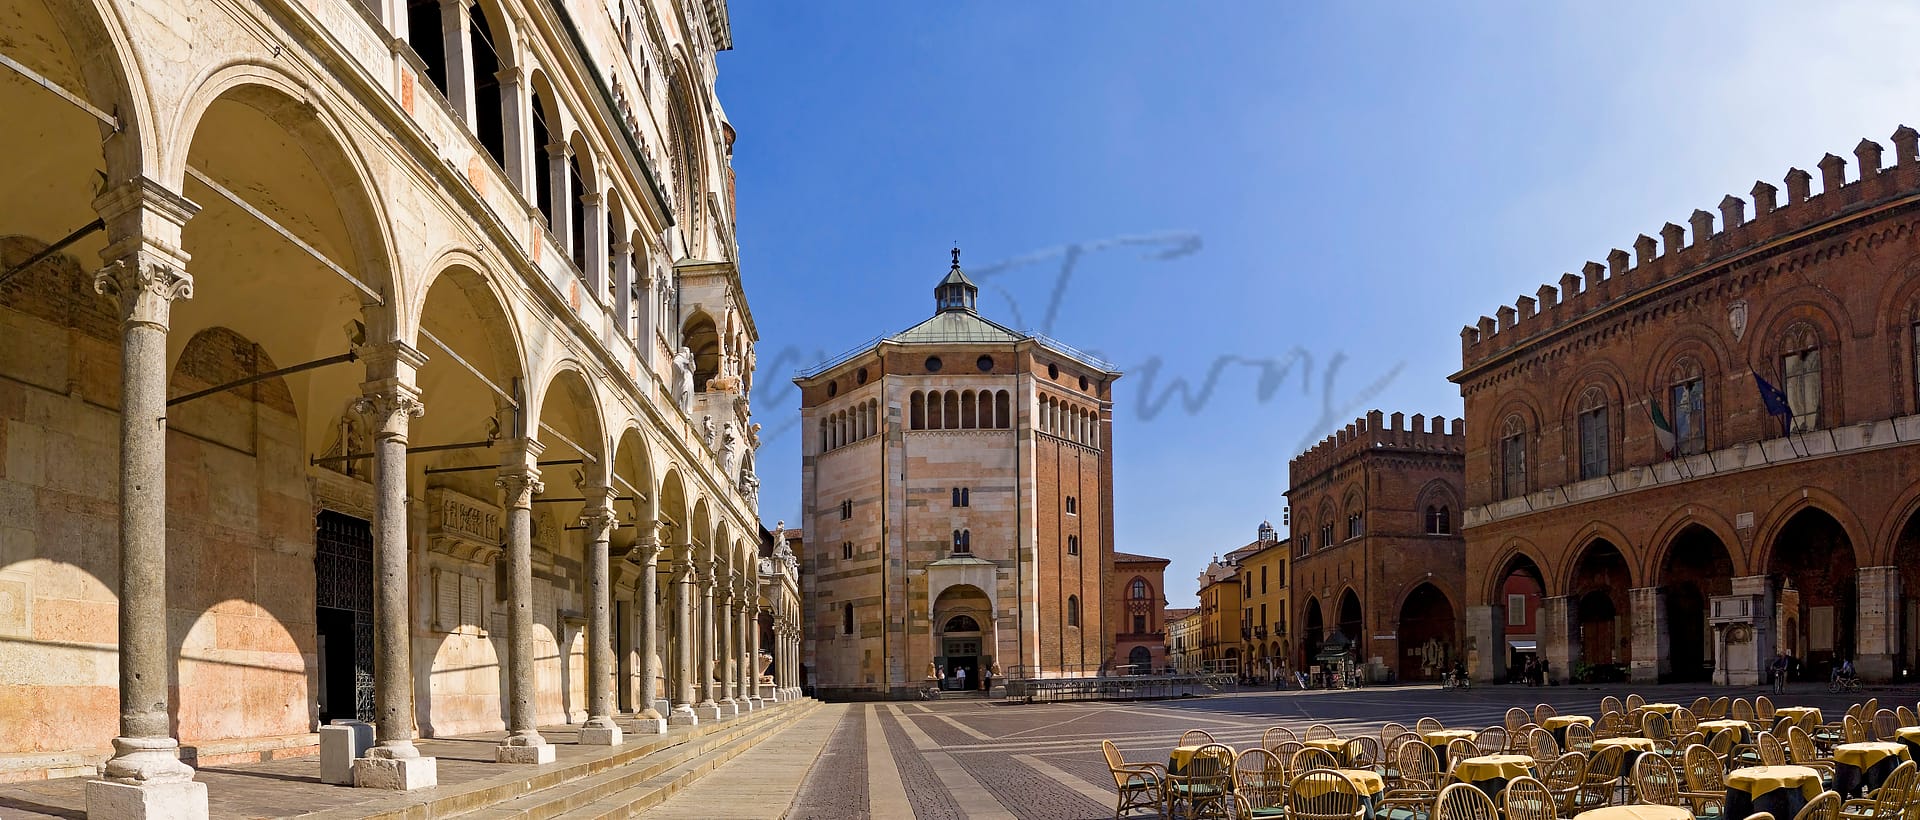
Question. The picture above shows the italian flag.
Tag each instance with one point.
(1662, 431)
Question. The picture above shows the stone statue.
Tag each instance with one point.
(683, 376)
(750, 487)
(707, 430)
(729, 450)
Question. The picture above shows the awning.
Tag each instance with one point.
(1523, 646)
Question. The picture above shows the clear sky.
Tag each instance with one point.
(1330, 189)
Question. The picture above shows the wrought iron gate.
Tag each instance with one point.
(343, 579)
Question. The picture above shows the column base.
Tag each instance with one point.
(608, 735)
(341, 743)
(648, 726)
(682, 715)
(768, 692)
(662, 706)
(177, 800)
(708, 711)
(396, 773)
(524, 755)
(729, 708)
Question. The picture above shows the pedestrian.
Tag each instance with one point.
(1530, 672)
(986, 680)
(1780, 673)
(960, 674)
(1546, 677)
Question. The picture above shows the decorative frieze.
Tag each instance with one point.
(462, 526)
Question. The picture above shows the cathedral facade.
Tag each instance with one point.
(957, 483)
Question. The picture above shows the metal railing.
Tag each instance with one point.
(1119, 687)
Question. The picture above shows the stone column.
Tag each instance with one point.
(456, 32)
(646, 590)
(1751, 602)
(623, 287)
(146, 270)
(390, 402)
(1488, 657)
(708, 707)
(599, 520)
(1650, 658)
(514, 126)
(594, 266)
(649, 301)
(724, 646)
(520, 482)
(1557, 641)
(684, 579)
(1877, 623)
(563, 204)
(749, 645)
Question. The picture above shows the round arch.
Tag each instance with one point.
(1597, 583)
(1427, 633)
(1694, 566)
(1794, 501)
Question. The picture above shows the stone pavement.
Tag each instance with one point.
(761, 782)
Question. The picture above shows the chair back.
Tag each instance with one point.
(1885, 724)
(1907, 718)
(1324, 794)
(1684, 721)
(1719, 708)
(1634, 701)
(1606, 764)
(1363, 752)
(1742, 710)
(1464, 801)
(1611, 704)
(1800, 745)
(1615, 724)
(1824, 807)
(1772, 753)
(1853, 729)
(1565, 778)
(1419, 767)
(1528, 799)
(1275, 735)
(1261, 777)
(1311, 758)
(1516, 718)
(1491, 740)
(1654, 780)
(1763, 709)
(1320, 731)
(1285, 750)
(1459, 749)
(1897, 792)
(1389, 732)
(1703, 770)
(1701, 705)
(1654, 726)
(1867, 709)
(1760, 815)
(1722, 742)
(1195, 737)
(1542, 711)
(1115, 764)
(1212, 765)
(1579, 738)
(1542, 747)
(1428, 724)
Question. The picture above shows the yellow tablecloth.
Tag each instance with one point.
(1636, 813)
(1910, 734)
(1563, 721)
(1634, 744)
(1796, 712)
(1708, 727)
(1493, 767)
(1441, 737)
(1182, 756)
(1866, 755)
(1369, 783)
(1333, 745)
(1759, 780)
(1662, 708)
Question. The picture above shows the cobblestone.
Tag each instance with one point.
(837, 788)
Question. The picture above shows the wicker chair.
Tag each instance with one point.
(1206, 788)
(1634, 701)
(1459, 749)
(1763, 709)
(1260, 783)
(1542, 711)
(1391, 732)
(1801, 749)
(1141, 785)
(1275, 735)
(1529, 799)
(1363, 752)
(1655, 781)
(1721, 705)
(1722, 743)
(1195, 737)
(1684, 721)
(1565, 778)
(1428, 724)
(1655, 727)
(1579, 738)
(1907, 717)
(1491, 740)
(1542, 747)
(1889, 802)
(1285, 750)
(1319, 731)
(1701, 705)
(1743, 710)
(1604, 781)
(1885, 724)
(1772, 753)
(1516, 718)
(1824, 807)
(1324, 794)
(1311, 758)
(1417, 767)
(1853, 729)
(1615, 724)
(1462, 801)
(1611, 704)
(1706, 787)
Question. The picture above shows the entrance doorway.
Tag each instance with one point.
(343, 615)
(963, 654)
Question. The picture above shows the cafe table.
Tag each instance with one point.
(1662, 708)
(1333, 746)
(1636, 813)
(1743, 731)
(1862, 767)
(1439, 739)
(1778, 790)
(1558, 725)
(1371, 785)
(1909, 736)
(1491, 773)
(1182, 757)
(1634, 746)
(1798, 712)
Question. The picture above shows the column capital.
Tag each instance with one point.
(389, 405)
(509, 75)
(623, 248)
(142, 213)
(521, 484)
(144, 286)
(591, 198)
(559, 150)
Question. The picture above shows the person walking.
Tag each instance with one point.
(960, 675)
(986, 680)
(1780, 673)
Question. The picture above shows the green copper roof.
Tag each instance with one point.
(956, 326)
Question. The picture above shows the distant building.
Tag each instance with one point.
(1183, 629)
(1135, 605)
(957, 482)
(1377, 552)
(1264, 604)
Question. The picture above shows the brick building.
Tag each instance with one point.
(1136, 608)
(957, 483)
(1623, 457)
(1377, 553)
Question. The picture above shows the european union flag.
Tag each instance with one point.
(1776, 401)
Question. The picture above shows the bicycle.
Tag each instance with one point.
(1838, 685)
(1452, 681)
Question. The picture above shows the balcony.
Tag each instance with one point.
(1260, 632)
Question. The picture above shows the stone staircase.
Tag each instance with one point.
(636, 776)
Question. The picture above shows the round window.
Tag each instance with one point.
(933, 364)
(861, 377)
(985, 364)
(1083, 383)
(833, 389)
(1053, 371)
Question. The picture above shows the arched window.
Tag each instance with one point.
(1326, 533)
(1073, 610)
(1002, 403)
(933, 410)
(1073, 545)
(1138, 589)
(1800, 372)
(1689, 396)
(961, 623)
(968, 419)
(1513, 457)
(846, 550)
(966, 496)
(1439, 520)
(846, 619)
(956, 496)
(962, 542)
(1594, 434)
(1353, 525)
(919, 412)
(1073, 506)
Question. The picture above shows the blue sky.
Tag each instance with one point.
(1244, 182)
